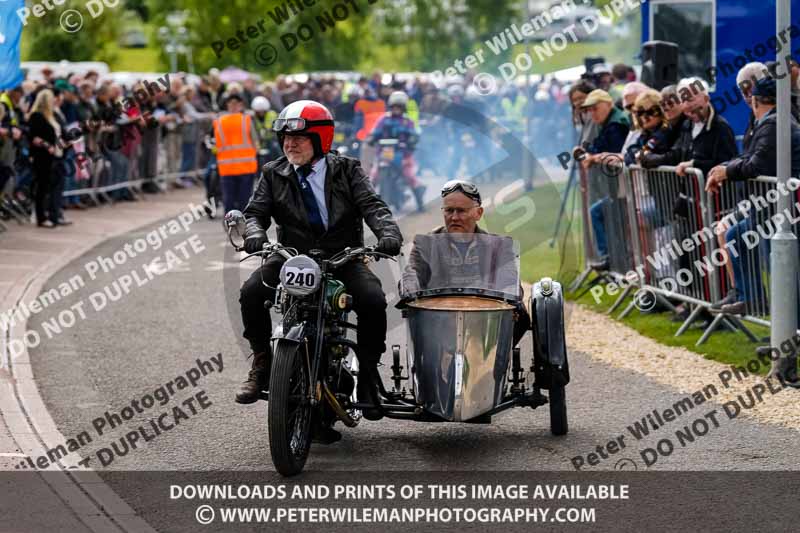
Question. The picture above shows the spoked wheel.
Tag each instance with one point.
(558, 410)
(289, 411)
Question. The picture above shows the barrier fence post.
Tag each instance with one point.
(784, 244)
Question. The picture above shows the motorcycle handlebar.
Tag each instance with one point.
(364, 251)
(337, 261)
(270, 248)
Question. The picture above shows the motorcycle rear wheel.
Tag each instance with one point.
(289, 411)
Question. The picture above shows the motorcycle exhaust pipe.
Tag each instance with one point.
(337, 408)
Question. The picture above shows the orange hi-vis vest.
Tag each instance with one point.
(236, 154)
(372, 110)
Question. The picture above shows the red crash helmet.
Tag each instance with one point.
(306, 117)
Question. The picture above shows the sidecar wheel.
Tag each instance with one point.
(289, 412)
(558, 410)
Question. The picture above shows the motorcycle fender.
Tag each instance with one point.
(294, 334)
(551, 365)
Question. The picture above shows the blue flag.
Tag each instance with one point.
(10, 34)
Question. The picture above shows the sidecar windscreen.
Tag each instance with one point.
(462, 263)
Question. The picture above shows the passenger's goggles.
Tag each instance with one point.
(297, 124)
(469, 189)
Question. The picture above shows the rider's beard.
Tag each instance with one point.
(296, 159)
(299, 159)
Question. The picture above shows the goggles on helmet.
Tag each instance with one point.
(469, 189)
(297, 124)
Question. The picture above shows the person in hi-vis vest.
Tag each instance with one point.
(237, 143)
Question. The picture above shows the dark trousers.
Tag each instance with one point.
(42, 187)
(369, 304)
(236, 191)
(56, 199)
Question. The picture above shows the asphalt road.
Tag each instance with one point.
(157, 332)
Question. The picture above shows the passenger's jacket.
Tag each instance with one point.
(349, 196)
(760, 156)
(715, 144)
(455, 267)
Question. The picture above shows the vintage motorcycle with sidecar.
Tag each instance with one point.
(459, 295)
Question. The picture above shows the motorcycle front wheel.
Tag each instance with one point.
(289, 409)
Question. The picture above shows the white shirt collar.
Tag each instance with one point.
(316, 167)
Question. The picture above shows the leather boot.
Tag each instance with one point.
(367, 391)
(419, 196)
(257, 380)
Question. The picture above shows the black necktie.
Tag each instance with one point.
(310, 201)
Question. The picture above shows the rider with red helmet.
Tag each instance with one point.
(318, 200)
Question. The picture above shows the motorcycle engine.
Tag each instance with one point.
(344, 382)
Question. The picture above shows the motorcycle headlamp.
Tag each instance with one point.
(300, 276)
(290, 125)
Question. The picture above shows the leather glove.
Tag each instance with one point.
(389, 246)
(255, 243)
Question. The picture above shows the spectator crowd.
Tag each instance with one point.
(632, 124)
(73, 140)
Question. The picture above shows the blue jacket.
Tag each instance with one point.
(390, 127)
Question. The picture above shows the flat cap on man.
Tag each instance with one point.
(596, 96)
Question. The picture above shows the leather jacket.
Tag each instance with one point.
(715, 144)
(349, 197)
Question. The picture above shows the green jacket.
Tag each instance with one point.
(612, 133)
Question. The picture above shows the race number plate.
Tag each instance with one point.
(388, 153)
(300, 275)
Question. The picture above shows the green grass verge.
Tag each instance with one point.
(723, 346)
(530, 219)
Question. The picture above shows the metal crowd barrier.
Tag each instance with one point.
(152, 151)
(749, 210)
(670, 216)
(153, 159)
(605, 209)
(672, 237)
